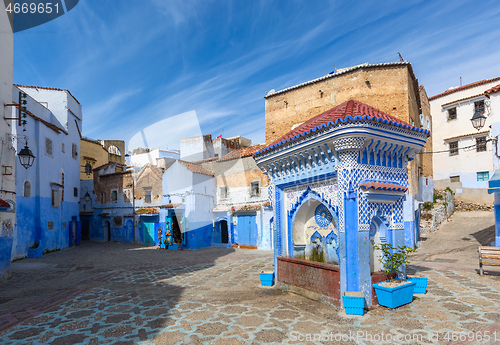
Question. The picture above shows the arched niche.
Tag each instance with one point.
(312, 216)
(378, 233)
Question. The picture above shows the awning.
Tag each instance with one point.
(103, 215)
(494, 182)
(4, 205)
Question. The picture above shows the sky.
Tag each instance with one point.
(152, 71)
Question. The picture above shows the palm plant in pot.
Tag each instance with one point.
(394, 293)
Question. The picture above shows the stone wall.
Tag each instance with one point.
(441, 210)
(385, 88)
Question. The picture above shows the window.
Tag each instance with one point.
(114, 150)
(126, 195)
(454, 179)
(117, 221)
(50, 225)
(483, 176)
(114, 195)
(454, 148)
(103, 198)
(27, 189)
(56, 198)
(223, 192)
(74, 152)
(75, 191)
(452, 113)
(63, 147)
(147, 196)
(48, 147)
(481, 144)
(479, 106)
(254, 188)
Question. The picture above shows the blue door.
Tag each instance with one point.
(247, 230)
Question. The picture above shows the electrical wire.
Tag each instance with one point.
(458, 148)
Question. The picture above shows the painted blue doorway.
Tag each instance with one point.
(247, 230)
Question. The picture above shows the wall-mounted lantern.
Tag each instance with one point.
(26, 157)
(478, 120)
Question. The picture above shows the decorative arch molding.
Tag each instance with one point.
(311, 194)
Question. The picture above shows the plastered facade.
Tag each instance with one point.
(460, 171)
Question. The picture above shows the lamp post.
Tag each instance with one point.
(478, 120)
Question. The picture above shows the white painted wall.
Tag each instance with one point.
(139, 160)
(495, 126)
(7, 152)
(468, 162)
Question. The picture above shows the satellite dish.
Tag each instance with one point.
(272, 91)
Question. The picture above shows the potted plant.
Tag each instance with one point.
(394, 293)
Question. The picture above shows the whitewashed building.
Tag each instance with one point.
(47, 193)
(7, 151)
(463, 156)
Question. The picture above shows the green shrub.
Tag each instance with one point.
(392, 259)
(427, 206)
(436, 197)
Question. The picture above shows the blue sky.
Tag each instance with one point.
(134, 64)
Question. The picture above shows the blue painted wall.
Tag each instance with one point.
(5, 253)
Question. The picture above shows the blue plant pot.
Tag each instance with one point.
(354, 305)
(35, 252)
(393, 297)
(267, 278)
(173, 246)
(420, 284)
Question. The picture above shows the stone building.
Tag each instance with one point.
(100, 152)
(338, 185)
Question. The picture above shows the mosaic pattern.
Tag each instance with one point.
(328, 190)
(322, 216)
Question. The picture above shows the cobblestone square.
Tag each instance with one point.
(110, 293)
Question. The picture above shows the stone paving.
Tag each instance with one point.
(213, 296)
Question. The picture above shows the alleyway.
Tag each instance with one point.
(454, 246)
(109, 293)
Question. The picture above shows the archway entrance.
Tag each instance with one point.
(223, 232)
(107, 226)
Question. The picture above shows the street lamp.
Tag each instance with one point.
(26, 157)
(478, 120)
(87, 197)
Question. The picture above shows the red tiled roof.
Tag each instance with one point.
(195, 168)
(465, 87)
(348, 111)
(494, 89)
(147, 210)
(242, 153)
(392, 187)
(171, 205)
(48, 88)
(4, 203)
